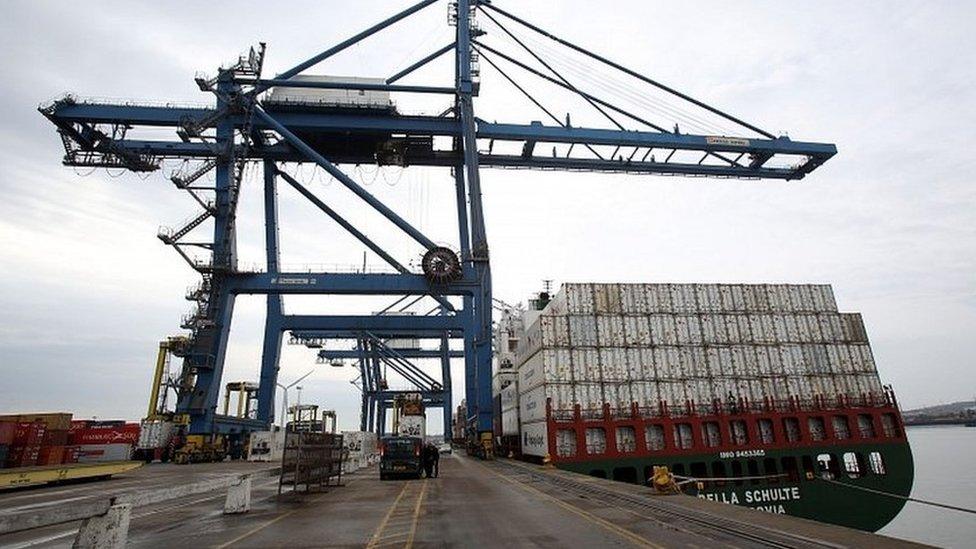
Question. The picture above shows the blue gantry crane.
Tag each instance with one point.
(244, 128)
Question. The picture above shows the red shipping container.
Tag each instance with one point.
(23, 456)
(8, 430)
(51, 455)
(29, 434)
(70, 454)
(128, 434)
(55, 438)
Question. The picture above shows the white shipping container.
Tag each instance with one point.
(645, 393)
(510, 396)
(510, 422)
(763, 364)
(830, 328)
(755, 390)
(560, 329)
(813, 327)
(412, 426)
(710, 324)
(847, 359)
(319, 96)
(589, 395)
(633, 299)
(266, 446)
(699, 362)
(695, 330)
(787, 365)
(613, 364)
(852, 326)
(155, 433)
(659, 298)
(867, 359)
(618, 395)
(606, 298)
(532, 405)
(635, 365)
(797, 300)
(637, 331)
(572, 298)
(732, 328)
(667, 364)
(749, 296)
(582, 331)
(663, 331)
(774, 298)
(683, 298)
(586, 365)
(672, 392)
(699, 390)
(745, 330)
(681, 329)
(738, 299)
(546, 366)
(535, 439)
(828, 303)
(870, 383)
(708, 297)
(357, 443)
(725, 294)
(648, 367)
(793, 329)
(93, 453)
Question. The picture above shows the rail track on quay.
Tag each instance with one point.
(668, 515)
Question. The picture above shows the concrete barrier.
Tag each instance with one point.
(106, 520)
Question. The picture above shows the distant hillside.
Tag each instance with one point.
(953, 408)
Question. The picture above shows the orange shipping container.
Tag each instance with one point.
(7, 431)
(51, 455)
(54, 421)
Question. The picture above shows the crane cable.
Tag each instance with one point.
(618, 87)
(898, 496)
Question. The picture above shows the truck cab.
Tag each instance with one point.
(401, 456)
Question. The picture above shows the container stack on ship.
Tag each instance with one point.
(766, 395)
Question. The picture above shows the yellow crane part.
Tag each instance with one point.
(26, 476)
(663, 481)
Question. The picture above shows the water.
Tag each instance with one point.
(945, 472)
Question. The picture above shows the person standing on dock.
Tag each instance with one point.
(431, 457)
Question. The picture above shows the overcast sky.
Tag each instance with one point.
(86, 289)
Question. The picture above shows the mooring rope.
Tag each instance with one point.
(898, 496)
(685, 480)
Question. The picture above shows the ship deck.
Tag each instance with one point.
(472, 503)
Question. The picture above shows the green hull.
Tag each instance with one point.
(813, 499)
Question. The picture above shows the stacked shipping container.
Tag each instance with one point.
(681, 345)
(28, 440)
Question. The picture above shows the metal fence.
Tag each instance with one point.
(311, 460)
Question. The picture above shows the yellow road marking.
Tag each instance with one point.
(263, 526)
(416, 515)
(379, 530)
(270, 522)
(622, 532)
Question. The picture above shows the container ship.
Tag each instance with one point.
(757, 395)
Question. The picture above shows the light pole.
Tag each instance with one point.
(284, 396)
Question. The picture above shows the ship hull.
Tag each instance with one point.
(842, 501)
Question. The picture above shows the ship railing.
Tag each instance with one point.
(719, 407)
